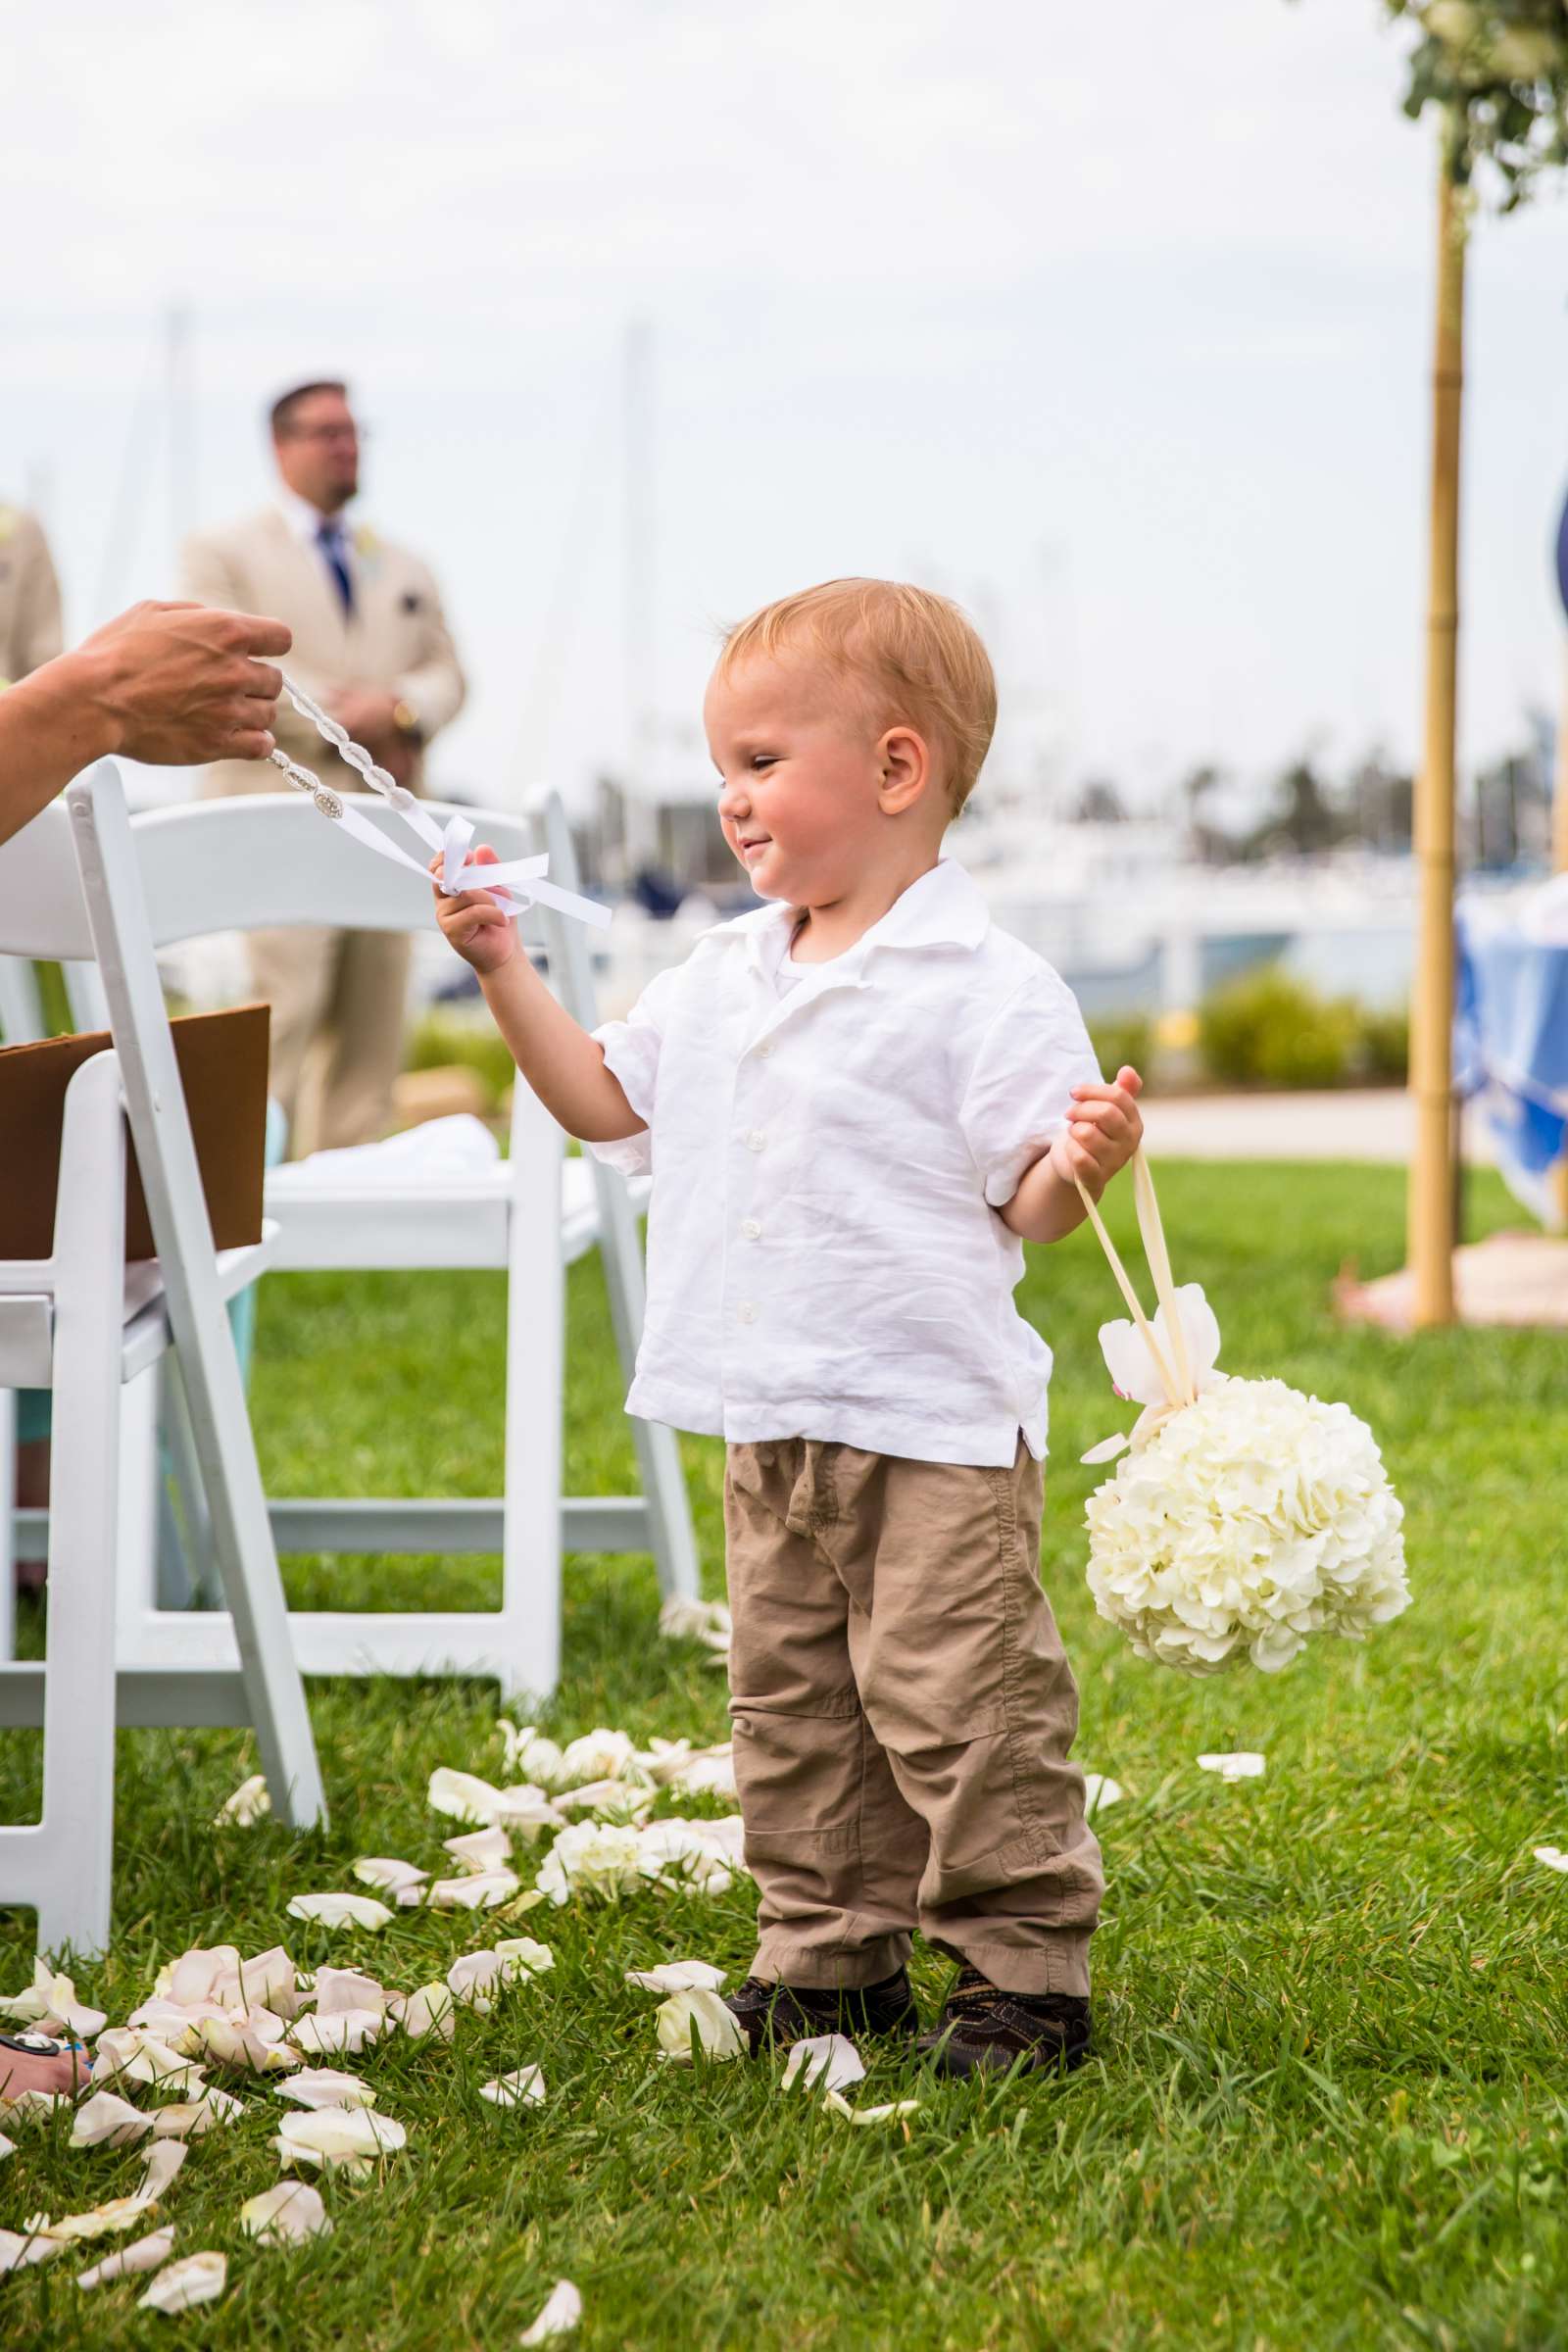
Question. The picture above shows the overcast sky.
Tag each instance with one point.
(1111, 321)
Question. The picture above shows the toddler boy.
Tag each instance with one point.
(857, 1102)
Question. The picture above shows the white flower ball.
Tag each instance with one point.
(593, 1858)
(1249, 1520)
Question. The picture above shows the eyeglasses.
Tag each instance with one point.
(328, 432)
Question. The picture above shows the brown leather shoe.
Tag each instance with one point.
(986, 2031)
(773, 2016)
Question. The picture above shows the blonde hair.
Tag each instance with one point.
(917, 654)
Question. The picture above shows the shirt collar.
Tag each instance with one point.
(306, 521)
(943, 907)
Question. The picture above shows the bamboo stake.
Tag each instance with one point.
(1431, 1212)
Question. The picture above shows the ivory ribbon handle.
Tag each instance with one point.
(1178, 1386)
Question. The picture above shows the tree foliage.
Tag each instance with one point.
(1498, 72)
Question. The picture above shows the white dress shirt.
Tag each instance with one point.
(306, 521)
(824, 1257)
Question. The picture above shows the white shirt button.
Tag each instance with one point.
(755, 1139)
(750, 1229)
(748, 1312)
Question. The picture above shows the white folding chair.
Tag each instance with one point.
(82, 1323)
(269, 859)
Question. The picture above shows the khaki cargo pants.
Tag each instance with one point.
(903, 1714)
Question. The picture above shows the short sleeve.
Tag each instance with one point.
(631, 1050)
(1035, 1051)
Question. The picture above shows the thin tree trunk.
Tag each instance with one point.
(1432, 1184)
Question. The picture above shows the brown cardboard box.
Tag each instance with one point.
(223, 1068)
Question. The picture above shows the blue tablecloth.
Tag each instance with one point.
(1512, 1051)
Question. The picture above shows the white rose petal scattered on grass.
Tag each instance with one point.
(285, 2214)
(481, 1850)
(607, 1800)
(592, 1859)
(192, 2119)
(335, 1988)
(132, 2054)
(601, 1754)
(1552, 1855)
(107, 2121)
(144, 2255)
(354, 2137)
(8, 2147)
(21, 2248)
(402, 1880)
(828, 2062)
(249, 1804)
(559, 2316)
(49, 2005)
(703, 1855)
(33, 2106)
(248, 2039)
(162, 2163)
(717, 2033)
(325, 2087)
(198, 2278)
(529, 1752)
(705, 1621)
(1236, 1764)
(340, 2033)
(892, 2113)
(1100, 1791)
(341, 1911)
(433, 2009)
(475, 1976)
(473, 1890)
(677, 1976)
(525, 2086)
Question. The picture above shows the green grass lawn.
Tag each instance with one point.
(1329, 2100)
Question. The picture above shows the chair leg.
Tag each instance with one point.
(536, 1306)
(75, 1881)
(7, 1525)
(658, 1448)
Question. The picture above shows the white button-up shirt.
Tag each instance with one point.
(824, 1257)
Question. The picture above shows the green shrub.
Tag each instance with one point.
(1266, 1029)
(1383, 1046)
(441, 1039)
(1123, 1037)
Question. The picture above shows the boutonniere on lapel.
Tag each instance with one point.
(367, 550)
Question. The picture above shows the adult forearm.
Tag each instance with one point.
(1047, 1206)
(563, 1064)
(52, 725)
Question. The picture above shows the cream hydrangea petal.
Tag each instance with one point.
(341, 1911)
(285, 2214)
(561, 2315)
(249, 1803)
(107, 2121)
(702, 2012)
(525, 2086)
(325, 2087)
(199, 2279)
(145, 2254)
(827, 2061)
(677, 1976)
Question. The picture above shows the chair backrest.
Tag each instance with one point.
(266, 860)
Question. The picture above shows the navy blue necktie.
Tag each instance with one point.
(329, 539)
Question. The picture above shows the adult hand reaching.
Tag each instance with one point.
(172, 684)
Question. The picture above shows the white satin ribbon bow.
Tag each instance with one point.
(516, 882)
(1164, 1365)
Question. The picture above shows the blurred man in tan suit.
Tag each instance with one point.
(29, 597)
(372, 645)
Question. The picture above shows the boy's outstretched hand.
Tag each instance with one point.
(1103, 1129)
(474, 923)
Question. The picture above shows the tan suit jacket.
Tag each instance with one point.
(398, 638)
(29, 597)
